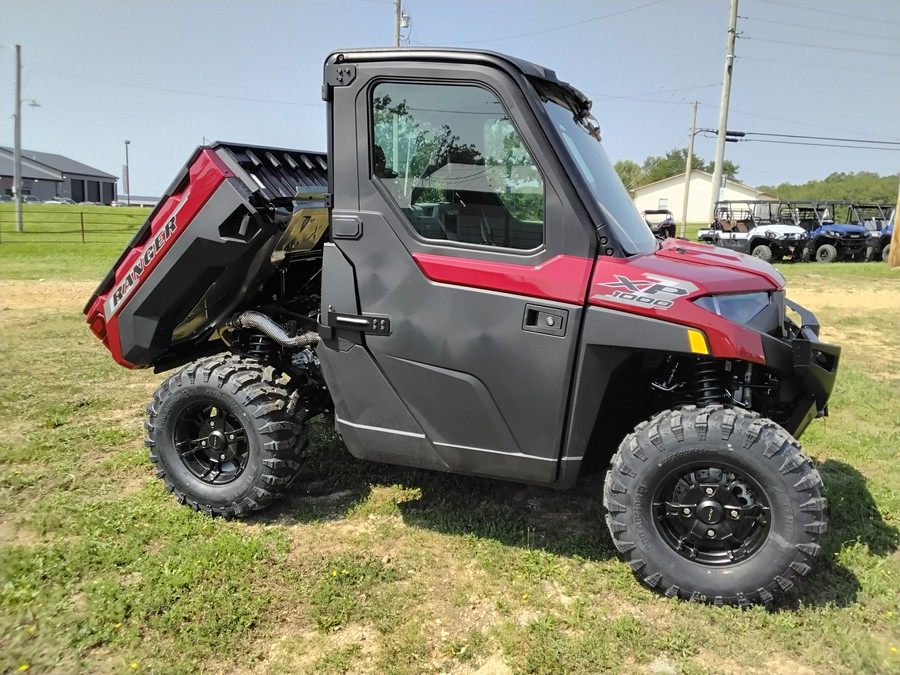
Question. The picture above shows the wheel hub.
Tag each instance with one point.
(211, 442)
(712, 515)
(710, 511)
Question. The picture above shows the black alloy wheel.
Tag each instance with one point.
(712, 515)
(211, 442)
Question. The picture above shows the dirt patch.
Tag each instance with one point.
(16, 535)
(860, 298)
(43, 294)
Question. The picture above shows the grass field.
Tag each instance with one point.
(377, 569)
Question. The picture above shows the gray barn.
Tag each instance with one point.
(47, 176)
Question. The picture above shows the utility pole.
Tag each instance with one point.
(723, 109)
(127, 175)
(687, 170)
(397, 14)
(17, 142)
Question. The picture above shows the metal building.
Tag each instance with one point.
(48, 176)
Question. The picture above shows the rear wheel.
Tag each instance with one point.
(763, 252)
(226, 437)
(886, 253)
(714, 504)
(826, 253)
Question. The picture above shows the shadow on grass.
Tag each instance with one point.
(568, 523)
(333, 483)
(853, 522)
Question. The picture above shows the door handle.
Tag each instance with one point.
(545, 320)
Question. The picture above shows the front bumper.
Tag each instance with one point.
(806, 366)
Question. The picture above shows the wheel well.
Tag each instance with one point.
(625, 403)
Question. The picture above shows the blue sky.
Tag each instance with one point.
(166, 74)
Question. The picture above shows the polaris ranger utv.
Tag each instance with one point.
(463, 284)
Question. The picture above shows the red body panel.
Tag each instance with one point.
(563, 278)
(167, 222)
(698, 270)
(682, 271)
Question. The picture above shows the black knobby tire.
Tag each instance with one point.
(226, 437)
(886, 253)
(806, 254)
(826, 253)
(756, 472)
(763, 252)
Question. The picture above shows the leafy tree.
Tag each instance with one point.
(729, 168)
(630, 173)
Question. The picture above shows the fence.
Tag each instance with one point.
(70, 224)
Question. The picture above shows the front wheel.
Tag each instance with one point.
(826, 253)
(225, 435)
(714, 504)
(763, 252)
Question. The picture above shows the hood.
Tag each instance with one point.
(719, 270)
(781, 229)
(844, 228)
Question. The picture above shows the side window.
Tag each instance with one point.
(455, 165)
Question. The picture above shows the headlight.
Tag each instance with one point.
(774, 235)
(739, 307)
(831, 233)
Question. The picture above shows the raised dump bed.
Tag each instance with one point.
(206, 246)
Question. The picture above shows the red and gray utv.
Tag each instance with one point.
(463, 284)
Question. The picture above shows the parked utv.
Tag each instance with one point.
(463, 284)
(661, 223)
(753, 227)
(878, 219)
(831, 238)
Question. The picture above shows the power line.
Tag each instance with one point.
(822, 138)
(827, 47)
(817, 9)
(177, 91)
(651, 93)
(820, 28)
(818, 65)
(820, 145)
(555, 28)
(795, 122)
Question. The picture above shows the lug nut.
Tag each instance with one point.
(734, 514)
(230, 437)
(211, 423)
(202, 444)
(222, 457)
(709, 491)
(686, 511)
(711, 534)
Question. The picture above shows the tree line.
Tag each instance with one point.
(861, 187)
(674, 162)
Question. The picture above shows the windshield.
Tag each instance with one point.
(581, 136)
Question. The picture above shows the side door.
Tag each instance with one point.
(472, 262)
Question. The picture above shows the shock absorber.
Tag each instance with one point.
(708, 382)
(260, 346)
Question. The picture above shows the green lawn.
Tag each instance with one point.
(371, 568)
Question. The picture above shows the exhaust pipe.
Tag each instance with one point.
(267, 326)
